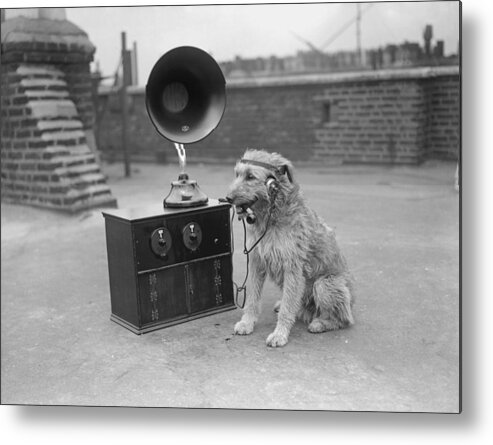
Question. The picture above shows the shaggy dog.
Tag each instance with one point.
(298, 251)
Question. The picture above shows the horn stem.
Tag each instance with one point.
(182, 156)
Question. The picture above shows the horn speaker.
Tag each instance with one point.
(186, 95)
(185, 100)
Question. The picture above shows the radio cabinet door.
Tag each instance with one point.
(162, 295)
(209, 283)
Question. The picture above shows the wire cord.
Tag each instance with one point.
(247, 250)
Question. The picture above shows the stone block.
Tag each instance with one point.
(78, 149)
(39, 71)
(85, 159)
(55, 137)
(59, 124)
(47, 94)
(47, 109)
(44, 84)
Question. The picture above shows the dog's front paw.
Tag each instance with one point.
(243, 327)
(276, 340)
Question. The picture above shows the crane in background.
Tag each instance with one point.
(356, 19)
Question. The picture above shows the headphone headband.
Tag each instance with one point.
(278, 170)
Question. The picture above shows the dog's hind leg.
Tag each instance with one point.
(332, 298)
(252, 305)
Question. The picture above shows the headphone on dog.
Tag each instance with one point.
(272, 182)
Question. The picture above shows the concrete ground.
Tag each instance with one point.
(399, 229)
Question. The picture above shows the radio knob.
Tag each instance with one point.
(161, 242)
(192, 236)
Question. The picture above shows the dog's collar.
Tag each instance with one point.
(278, 170)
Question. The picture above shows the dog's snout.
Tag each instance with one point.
(229, 198)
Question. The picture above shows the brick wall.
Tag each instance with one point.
(374, 122)
(79, 83)
(277, 118)
(443, 125)
(400, 116)
(47, 113)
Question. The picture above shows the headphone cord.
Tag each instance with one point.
(247, 251)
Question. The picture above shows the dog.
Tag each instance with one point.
(296, 249)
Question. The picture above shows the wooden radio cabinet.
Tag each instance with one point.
(168, 266)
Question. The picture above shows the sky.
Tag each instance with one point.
(254, 30)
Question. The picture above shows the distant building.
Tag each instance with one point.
(406, 54)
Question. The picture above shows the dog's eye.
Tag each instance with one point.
(250, 177)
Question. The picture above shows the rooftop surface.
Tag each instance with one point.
(399, 229)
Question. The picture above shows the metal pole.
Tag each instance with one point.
(135, 74)
(358, 33)
(123, 98)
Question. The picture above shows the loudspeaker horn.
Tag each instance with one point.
(185, 95)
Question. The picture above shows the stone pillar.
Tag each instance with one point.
(48, 151)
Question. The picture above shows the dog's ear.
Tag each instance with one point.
(289, 169)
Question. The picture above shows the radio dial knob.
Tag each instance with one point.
(161, 242)
(192, 236)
